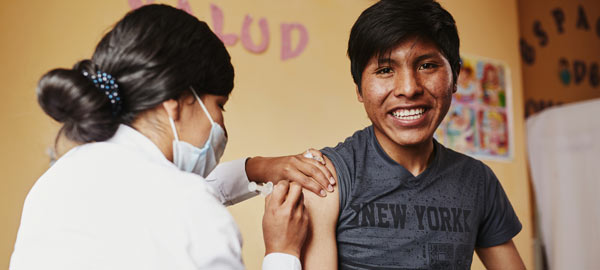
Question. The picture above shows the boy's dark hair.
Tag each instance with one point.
(155, 53)
(387, 23)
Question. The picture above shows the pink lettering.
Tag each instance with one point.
(229, 39)
(217, 19)
(247, 39)
(286, 40)
(185, 6)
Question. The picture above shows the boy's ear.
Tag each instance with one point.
(359, 94)
(454, 88)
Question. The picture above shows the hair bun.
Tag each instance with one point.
(72, 99)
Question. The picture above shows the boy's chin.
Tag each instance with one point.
(416, 140)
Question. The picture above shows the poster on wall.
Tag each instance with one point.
(479, 122)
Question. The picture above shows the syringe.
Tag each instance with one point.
(264, 189)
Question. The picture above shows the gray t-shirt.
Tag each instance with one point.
(390, 219)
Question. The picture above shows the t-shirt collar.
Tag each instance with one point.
(428, 171)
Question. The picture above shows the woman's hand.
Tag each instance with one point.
(310, 173)
(285, 223)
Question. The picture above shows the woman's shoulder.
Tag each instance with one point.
(108, 165)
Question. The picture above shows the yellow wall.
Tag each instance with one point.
(542, 84)
(276, 108)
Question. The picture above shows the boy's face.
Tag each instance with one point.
(407, 95)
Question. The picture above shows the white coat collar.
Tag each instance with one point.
(133, 139)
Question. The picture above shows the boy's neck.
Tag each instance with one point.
(414, 158)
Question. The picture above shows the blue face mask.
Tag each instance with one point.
(203, 160)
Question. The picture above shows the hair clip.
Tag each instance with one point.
(107, 84)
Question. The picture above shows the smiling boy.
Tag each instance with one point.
(403, 200)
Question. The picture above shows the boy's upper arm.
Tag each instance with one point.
(320, 248)
(503, 256)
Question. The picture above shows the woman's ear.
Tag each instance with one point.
(171, 106)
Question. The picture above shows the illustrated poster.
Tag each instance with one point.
(479, 122)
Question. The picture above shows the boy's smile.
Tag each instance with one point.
(407, 92)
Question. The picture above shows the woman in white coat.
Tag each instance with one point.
(147, 110)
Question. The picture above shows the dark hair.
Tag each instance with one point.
(387, 23)
(156, 53)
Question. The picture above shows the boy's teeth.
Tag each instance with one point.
(409, 114)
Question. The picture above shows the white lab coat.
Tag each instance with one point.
(563, 148)
(121, 204)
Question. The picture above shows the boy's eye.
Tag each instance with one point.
(222, 107)
(384, 70)
(428, 66)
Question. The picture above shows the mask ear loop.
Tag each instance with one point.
(173, 128)
(202, 104)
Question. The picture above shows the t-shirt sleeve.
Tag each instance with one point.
(343, 169)
(500, 223)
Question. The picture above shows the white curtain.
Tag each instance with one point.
(564, 157)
